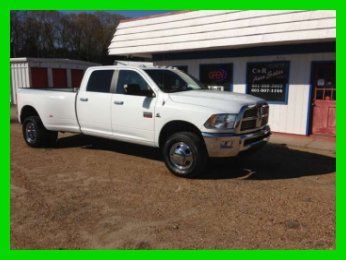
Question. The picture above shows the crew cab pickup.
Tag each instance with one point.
(154, 106)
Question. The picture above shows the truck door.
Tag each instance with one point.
(93, 104)
(133, 105)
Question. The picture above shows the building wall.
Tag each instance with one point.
(291, 118)
(20, 78)
(222, 28)
(21, 71)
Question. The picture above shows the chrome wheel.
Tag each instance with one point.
(181, 156)
(31, 133)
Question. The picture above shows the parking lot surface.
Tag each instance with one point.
(94, 193)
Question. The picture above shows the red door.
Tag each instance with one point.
(324, 98)
(39, 77)
(59, 78)
(76, 76)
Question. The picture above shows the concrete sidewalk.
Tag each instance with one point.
(309, 142)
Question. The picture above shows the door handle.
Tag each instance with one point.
(118, 102)
(83, 99)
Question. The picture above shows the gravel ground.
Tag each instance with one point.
(96, 193)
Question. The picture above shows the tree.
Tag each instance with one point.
(84, 36)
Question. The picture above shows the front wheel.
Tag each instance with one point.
(185, 154)
(36, 135)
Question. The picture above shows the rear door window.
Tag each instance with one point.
(100, 81)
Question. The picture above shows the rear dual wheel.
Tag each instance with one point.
(36, 135)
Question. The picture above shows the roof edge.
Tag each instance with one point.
(153, 16)
(28, 59)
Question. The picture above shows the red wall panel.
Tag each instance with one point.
(39, 77)
(59, 78)
(76, 77)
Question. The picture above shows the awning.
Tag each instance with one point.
(200, 30)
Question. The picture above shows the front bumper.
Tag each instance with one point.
(229, 145)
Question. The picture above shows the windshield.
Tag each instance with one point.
(170, 81)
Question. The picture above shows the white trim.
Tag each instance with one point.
(50, 77)
(69, 78)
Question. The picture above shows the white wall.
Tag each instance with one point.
(223, 28)
(291, 118)
(20, 78)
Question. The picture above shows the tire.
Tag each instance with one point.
(185, 154)
(36, 135)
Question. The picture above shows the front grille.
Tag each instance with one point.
(251, 112)
(254, 117)
(247, 125)
(265, 109)
(264, 121)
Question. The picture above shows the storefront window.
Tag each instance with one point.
(323, 74)
(268, 80)
(217, 76)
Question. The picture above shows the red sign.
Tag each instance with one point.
(217, 75)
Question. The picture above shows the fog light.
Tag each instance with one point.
(226, 144)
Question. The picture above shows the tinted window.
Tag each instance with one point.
(173, 81)
(129, 77)
(100, 81)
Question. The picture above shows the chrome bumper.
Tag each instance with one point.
(229, 145)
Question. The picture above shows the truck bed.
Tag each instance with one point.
(56, 107)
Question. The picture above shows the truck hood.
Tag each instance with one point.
(224, 101)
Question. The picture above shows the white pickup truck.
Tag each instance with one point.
(154, 106)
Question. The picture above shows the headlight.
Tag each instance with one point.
(221, 121)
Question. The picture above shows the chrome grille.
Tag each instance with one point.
(251, 112)
(254, 117)
(249, 124)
